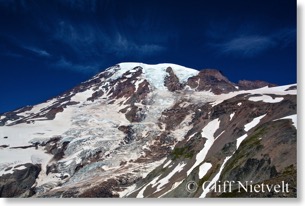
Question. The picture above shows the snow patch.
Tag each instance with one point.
(232, 115)
(127, 190)
(214, 180)
(267, 99)
(219, 135)
(167, 163)
(153, 182)
(294, 119)
(82, 96)
(203, 169)
(22, 167)
(254, 122)
(137, 83)
(191, 136)
(240, 140)
(166, 179)
(128, 76)
(207, 132)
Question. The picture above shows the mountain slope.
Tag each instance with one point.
(138, 130)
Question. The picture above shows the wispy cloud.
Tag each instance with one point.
(246, 45)
(38, 52)
(91, 40)
(62, 63)
(70, 43)
(121, 46)
(249, 45)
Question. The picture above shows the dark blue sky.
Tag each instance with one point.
(47, 47)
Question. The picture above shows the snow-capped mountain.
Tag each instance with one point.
(139, 130)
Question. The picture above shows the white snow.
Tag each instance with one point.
(15, 157)
(22, 134)
(217, 99)
(127, 190)
(156, 73)
(166, 179)
(207, 132)
(266, 98)
(37, 108)
(191, 136)
(203, 169)
(92, 126)
(2, 117)
(232, 115)
(82, 96)
(219, 135)
(162, 99)
(183, 73)
(294, 119)
(137, 83)
(254, 122)
(89, 129)
(153, 182)
(10, 171)
(240, 140)
(22, 167)
(214, 180)
(167, 163)
(280, 90)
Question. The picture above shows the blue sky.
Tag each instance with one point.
(47, 47)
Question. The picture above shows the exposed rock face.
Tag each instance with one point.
(245, 84)
(138, 130)
(210, 79)
(172, 81)
(20, 182)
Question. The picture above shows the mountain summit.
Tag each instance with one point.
(139, 130)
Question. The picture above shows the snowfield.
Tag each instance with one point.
(208, 133)
(101, 143)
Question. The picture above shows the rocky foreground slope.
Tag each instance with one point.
(138, 130)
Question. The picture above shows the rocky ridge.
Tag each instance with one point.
(138, 130)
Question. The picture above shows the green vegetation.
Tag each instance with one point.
(249, 145)
(183, 152)
(290, 170)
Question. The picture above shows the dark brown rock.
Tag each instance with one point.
(52, 113)
(172, 82)
(20, 182)
(247, 85)
(103, 190)
(211, 80)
